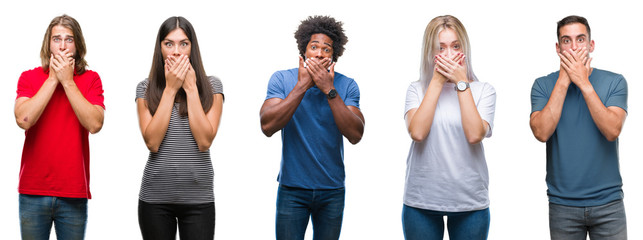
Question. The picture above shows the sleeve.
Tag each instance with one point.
(276, 87)
(95, 93)
(352, 94)
(217, 86)
(539, 96)
(618, 95)
(487, 106)
(141, 88)
(413, 97)
(24, 87)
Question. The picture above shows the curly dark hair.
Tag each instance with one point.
(321, 24)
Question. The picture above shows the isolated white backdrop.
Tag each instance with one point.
(244, 42)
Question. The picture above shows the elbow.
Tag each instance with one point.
(541, 137)
(204, 147)
(418, 137)
(152, 147)
(95, 129)
(267, 130)
(613, 135)
(355, 140)
(23, 124)
(475, 139)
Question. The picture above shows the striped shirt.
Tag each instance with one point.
(178, 173)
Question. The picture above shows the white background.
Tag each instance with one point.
(244, 42)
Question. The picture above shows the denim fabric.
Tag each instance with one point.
(426, 224)
(37, 213)
(295, 206)
(601, 222)
(159, 221)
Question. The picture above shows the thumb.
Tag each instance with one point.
(301, 62)
(332, 68)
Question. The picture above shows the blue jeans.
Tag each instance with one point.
(601, 222)
(295, 206)
(426, 224)
(37, 213)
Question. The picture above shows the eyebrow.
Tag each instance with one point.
(61, 36)
(456, 41)
(182, 40)
(577, 36)
(327, 44)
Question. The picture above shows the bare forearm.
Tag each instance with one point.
(203, 129)
(472, 124)
(350, 123)
(28, 110)
(420, 121)
(88, 114)
(543, 123)
(156, 127)
(607, 120)
(275, 116)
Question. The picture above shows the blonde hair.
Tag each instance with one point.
(431, 44)
(79, 42)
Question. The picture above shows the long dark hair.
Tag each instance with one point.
(157, 73)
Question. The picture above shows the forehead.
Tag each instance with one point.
(447, 36)
(60, 30)
(176, 35)
(573, 30)
(321, 38)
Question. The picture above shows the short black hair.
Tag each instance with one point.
(321, 24)
(573, 19)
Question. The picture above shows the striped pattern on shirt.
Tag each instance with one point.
(178, 173)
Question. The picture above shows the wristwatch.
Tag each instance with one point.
(332, 94)
(461, 86)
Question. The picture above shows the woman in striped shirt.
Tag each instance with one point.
(179, 109)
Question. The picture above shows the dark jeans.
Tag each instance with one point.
(296, 205)
(37, 213)
(426, 224)
(601, 222)
(159, 221)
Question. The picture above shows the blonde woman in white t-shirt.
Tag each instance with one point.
(448, 113)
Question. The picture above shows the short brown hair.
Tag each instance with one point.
(573, 19)
(79, 42)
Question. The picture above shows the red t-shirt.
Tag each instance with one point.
(55, 157)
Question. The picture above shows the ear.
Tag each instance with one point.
(591, 46)
(557, 48)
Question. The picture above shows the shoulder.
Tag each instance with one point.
(483, 86)
(415, 86)
(37, 71)
(142, 85)
(89, 73)
(293, 72)
(546, 82)
(552, 77)
(607, 75)
(344, 80)
(217, 86)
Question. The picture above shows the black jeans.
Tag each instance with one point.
(159, 221)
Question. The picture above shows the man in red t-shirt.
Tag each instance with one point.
(58, 105)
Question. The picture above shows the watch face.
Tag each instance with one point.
(462, 86)
(332, 94)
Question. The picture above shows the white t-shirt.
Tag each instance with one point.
(444, 172)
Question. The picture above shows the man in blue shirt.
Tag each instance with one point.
(579, 111)
(314, 107)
